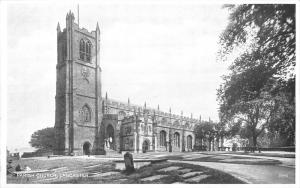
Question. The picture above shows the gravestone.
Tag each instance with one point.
(18, 168)
(128, 159)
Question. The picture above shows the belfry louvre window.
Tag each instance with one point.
(85, 50)
(81, 49)
(88, 51)
(162, 138)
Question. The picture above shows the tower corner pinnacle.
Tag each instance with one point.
(58, 28)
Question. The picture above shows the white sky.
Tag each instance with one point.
(161, 53)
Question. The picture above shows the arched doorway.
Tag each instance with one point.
(145, 146)
(86, 148)
(110, 138)
(189, 143)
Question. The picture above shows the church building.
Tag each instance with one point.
(87, 123)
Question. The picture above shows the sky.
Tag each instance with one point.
(158, 53)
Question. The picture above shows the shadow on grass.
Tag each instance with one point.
(216, 177)
(227, 159)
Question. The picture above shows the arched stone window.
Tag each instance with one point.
(162, 138)
(189, 142)
(176, 139)
(86, 114)
(81, 49)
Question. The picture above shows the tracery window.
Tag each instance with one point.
(176, 140)
(189, 142)
(162, 138)
(86, 114)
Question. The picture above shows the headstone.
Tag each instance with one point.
(128, 159)
(18, 168)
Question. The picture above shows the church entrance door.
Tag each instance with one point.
(110, 138)
(145, 146)
(86, 148)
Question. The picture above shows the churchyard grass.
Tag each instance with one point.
(92, 167)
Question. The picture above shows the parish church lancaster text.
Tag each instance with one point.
(86, 123)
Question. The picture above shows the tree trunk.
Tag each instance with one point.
(213, 144)
(254, 140)
(222, 141)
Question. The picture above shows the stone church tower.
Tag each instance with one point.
(78, 112)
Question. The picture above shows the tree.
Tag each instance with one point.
(282, 129)
(207, 131)
(43, 139)
(268, 33)
(203, 131)
(263, 36)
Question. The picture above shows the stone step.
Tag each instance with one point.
(185, 170)
(190, 174)
(197, 179)
(168, 169)
(152, 178)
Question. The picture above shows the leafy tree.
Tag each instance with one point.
(268, 33)
(207, 131)
(283, 124)
(43, 139)
(204, 130)
(254, 92)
